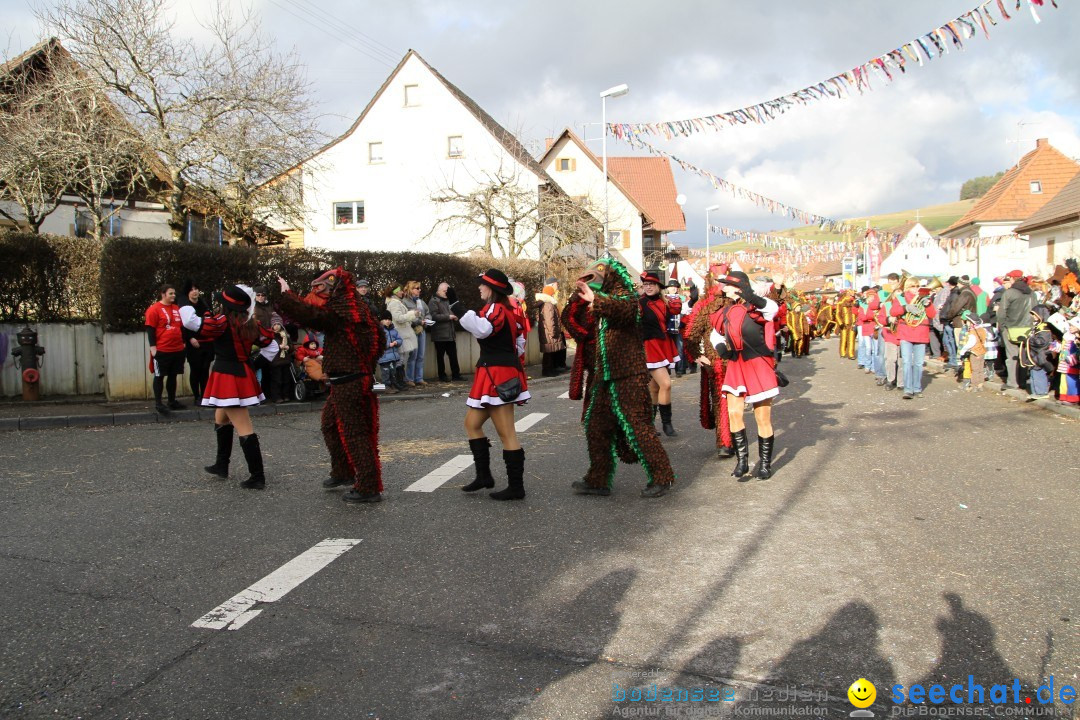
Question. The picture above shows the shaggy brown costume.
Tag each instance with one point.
(578, 320)
(354, 341)
(618, 411)
(714, 413)
(844, 314)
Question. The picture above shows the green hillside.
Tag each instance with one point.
(934, 218)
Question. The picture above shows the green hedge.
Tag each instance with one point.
(133, 268)
(48, 278)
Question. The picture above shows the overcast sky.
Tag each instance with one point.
(540, 66)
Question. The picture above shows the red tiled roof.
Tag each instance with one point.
(650, 182)
(1011, 198)
(1063, 207)
(823, 268)
(651, 190)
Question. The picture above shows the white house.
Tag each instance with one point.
(917, 253)
(420, 137)
(1053, 232)
(641, 194)
(985, 242)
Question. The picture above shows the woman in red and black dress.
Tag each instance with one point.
(661, 353)
(501, 347)
(232, 386)
(744, 334)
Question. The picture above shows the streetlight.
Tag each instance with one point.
(610, 92)
(708, 232)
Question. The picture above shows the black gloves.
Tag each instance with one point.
(455, 305)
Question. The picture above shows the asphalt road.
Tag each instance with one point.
(901, 541)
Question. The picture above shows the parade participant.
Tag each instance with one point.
(617, 413)
(498, 385)
(844, 314)
(660, 351)
(868, 335)
(915, 309)
(198, 355)
(353, 343)
(232, 387)
(578, 320)
(1069, 363)
(714, 407)
(743, 332)
(799, 329)
(676, 309)
(166, 347)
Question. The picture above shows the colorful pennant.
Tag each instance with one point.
(922, 49)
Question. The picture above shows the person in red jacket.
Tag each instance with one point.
(661, 353)
(890, 373)
(915, 309)
(165, 335)
(868, 338)
(311, 357)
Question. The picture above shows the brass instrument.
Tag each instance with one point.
(891, 321)
(916, 317)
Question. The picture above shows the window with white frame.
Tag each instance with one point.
(349, 214)
(374, 152)
(1036, 187)
(412, 95)
(454, 147)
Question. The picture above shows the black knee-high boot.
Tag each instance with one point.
(253, 454)
(515, 476)
(220, 467)
(765, 449)
(481, 453)
(665, 420)
(742, 455)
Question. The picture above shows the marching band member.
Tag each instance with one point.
(915, 309)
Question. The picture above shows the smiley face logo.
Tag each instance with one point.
(862, 693)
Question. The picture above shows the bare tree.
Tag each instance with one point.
(515, 218)
(221, 116)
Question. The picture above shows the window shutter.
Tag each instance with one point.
(626, 239)
(573, 164)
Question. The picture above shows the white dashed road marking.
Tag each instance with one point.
(565, 395)
(528, 421)
(438, 477)
(240, 609)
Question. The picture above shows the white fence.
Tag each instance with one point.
(84, 360)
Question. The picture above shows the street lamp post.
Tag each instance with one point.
(610, 92)
(708, 233)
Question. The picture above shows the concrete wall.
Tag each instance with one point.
(76, 358)
(1042, 258)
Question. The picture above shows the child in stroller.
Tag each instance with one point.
(307, 373)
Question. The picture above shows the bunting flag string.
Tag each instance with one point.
(857, 80)
(774, 206)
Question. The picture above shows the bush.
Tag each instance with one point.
(132, 269)
(47, 278)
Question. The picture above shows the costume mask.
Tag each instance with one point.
(323, 286)
(595, 275)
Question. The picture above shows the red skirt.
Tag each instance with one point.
(661, 353)
(232, 391)
(754, 378)
(483, 393)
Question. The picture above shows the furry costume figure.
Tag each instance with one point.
(798, 326)
(578, 320)
(350, 418)
(844, 315)
(714, 411)
(618, 422)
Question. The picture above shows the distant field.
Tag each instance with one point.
(934, 218)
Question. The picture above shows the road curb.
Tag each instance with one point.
(992, 386)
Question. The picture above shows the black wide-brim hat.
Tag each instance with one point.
(497, 281)
(736, 277)
(651, 277)
(233, 297)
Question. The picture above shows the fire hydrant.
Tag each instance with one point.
(26, 359)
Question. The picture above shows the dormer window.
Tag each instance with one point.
(1036, 187)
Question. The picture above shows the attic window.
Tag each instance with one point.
(454, 147)
(412, 95)
(375, 152)
(565, 165)
(1036, 187)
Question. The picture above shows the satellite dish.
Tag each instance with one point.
(680, 199)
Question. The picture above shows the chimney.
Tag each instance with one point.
(1042, 142)
(548, 142)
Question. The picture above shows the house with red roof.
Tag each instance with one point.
(641, 197)
(1053, 231)
(986, 241)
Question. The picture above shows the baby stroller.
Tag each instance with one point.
(304, 388)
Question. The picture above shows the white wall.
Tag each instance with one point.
(399, 214)
(588, 180)
(919, 254)
(993, 258)
(134, 222)
(1066, 245)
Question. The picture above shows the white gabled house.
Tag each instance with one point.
(641, 196)
(419, 137)
(1053, 231)
(917, 252)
